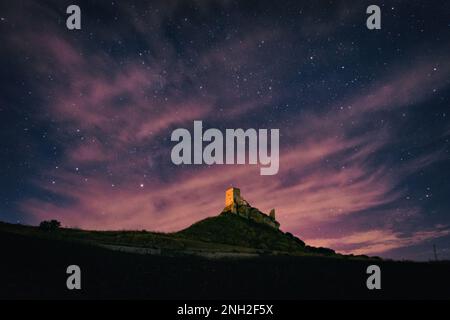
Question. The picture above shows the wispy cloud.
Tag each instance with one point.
(117, 113)
(379, 241)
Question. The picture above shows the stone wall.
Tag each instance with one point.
(257, 216)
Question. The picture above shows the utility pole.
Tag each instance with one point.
(435, 253)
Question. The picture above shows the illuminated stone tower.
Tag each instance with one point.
(232, 198)
(232, 195)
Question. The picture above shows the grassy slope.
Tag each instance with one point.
(123, 238)
(224, 233)
(233, 230)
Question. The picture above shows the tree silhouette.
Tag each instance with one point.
(51, 225)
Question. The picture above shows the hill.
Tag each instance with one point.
(34, 267)
(241, 230)
(225, 235)
(233, 230)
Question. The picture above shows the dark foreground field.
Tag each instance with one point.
(32, 267)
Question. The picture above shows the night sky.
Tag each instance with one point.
(86, 116)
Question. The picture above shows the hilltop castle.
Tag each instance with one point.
(235, 204)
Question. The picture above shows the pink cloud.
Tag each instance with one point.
(378, 241)
(326, 175)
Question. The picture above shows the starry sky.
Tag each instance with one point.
(86, 116)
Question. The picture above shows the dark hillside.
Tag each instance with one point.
(33, 267)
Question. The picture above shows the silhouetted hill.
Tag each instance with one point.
(234, 230)
(229, 256)
(223, 235)
(35, 267)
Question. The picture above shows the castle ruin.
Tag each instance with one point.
(236, 204)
